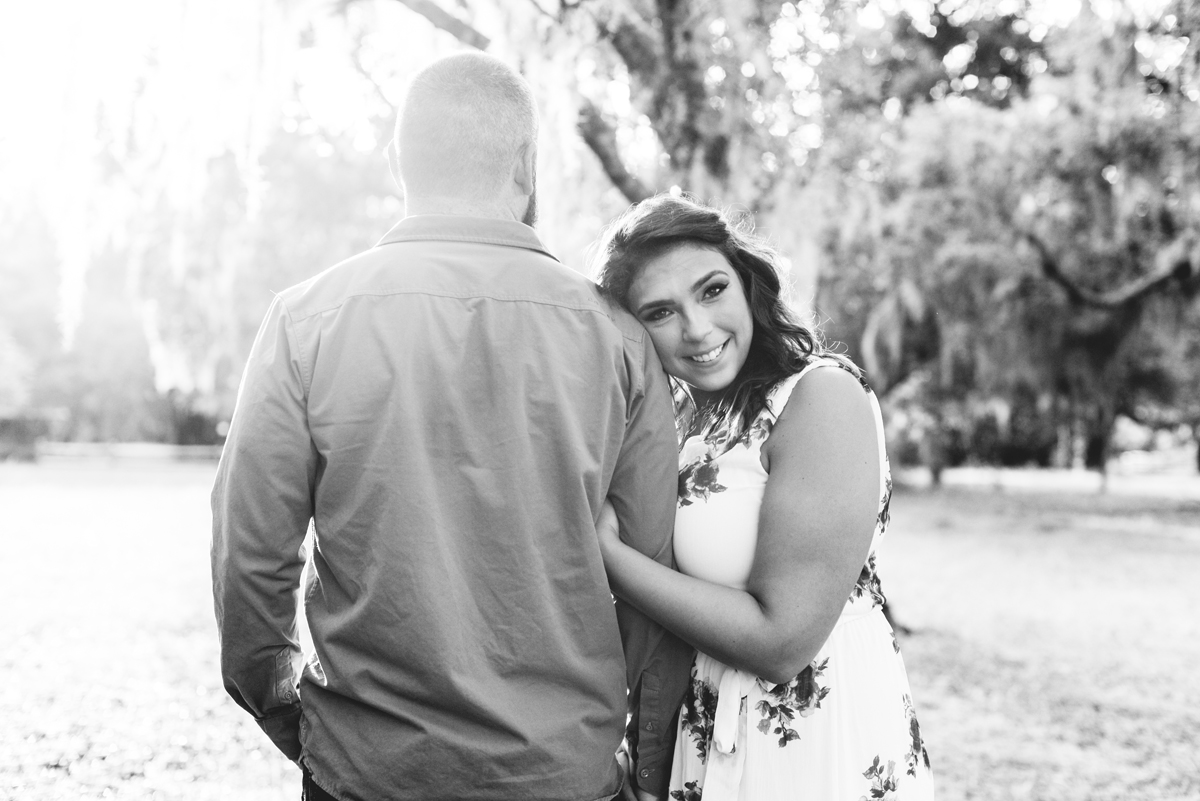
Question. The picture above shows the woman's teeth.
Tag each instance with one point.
(712, 354)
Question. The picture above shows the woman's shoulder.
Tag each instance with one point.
(782, 393)
(830, 409)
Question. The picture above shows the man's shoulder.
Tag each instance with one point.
(625, 322)
(326, 288)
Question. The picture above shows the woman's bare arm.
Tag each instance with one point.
(815, 527)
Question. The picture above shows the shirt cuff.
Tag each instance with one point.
(282, 725)
(650, 736)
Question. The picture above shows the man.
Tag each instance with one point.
(450, 410)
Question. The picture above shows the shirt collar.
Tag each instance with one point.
(456, 228)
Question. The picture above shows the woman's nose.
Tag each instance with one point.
(696, 326)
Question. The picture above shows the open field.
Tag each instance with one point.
(1053, 654)
(109, 686)
(1056, 641)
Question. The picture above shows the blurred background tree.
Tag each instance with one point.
(1031, 246)
(993, 204)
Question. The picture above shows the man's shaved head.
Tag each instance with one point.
(464, 123)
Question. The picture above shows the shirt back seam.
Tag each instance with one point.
(500, 298)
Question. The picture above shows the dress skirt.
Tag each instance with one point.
(843, 729)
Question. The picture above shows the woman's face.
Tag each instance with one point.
(692, 302)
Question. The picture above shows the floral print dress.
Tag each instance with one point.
(842, 730)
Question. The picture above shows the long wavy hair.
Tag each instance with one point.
(781, 344)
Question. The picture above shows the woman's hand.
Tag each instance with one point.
(623, 562)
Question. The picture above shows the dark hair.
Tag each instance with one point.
(780, 346)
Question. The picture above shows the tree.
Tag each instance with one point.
(30, 341)
(107, 380)
(1050, 245)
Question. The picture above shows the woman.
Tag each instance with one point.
(798, 689)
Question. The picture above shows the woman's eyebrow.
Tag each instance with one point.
(706, 279)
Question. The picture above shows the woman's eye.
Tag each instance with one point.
(713, 290)
(656, 315)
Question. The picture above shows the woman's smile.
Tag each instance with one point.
(710, 356)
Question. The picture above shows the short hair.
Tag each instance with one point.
(781, 344)
(465, 119)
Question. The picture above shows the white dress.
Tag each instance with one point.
(842, 730)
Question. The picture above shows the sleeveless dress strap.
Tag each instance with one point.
(780, 395)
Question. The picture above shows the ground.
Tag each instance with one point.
(1055, 641)
(1052, 655)
(109, 685)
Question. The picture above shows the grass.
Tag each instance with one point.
(1053, 650)
(109, 684)
(1055, 641)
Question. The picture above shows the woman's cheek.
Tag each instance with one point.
(663, 345)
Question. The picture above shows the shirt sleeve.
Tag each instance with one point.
(643, 492)
(261, 506)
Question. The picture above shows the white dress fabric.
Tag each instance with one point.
(845, 728)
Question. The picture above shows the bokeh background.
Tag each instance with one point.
(993, 205)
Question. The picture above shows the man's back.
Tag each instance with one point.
(469, 402)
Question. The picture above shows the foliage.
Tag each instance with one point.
(29, 336)
(188, 240)
(106, 381)
(1047, 246)
(995, 215)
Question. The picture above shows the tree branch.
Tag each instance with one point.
(601, 138)
(638, 48)
(446, 21)
(1050, 268)
(361, 69)
(564, 8)
(1171, 264)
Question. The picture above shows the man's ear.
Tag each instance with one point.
(393, 160)
(525, 170)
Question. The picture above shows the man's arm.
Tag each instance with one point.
(261, 505)
(643, 492)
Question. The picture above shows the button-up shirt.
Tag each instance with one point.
(448, 410)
